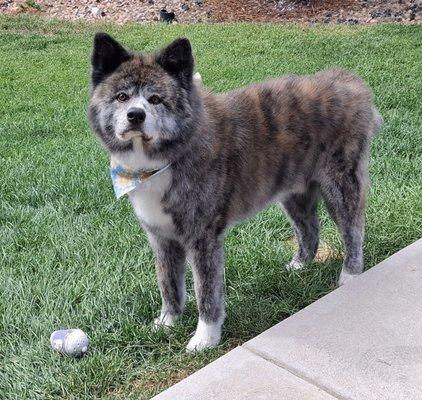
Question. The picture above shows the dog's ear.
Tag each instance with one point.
(177, 60)
(107, 55)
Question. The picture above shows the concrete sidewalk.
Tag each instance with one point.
(361, 341)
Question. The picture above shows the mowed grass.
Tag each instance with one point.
(71, 255)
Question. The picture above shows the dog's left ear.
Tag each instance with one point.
(107, 55)
(177, 60)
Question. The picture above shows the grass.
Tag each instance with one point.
(32, 4)
(73, 256)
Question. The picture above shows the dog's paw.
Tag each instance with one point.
(295, 264)
(164, 321)
(345, 277)
(207, 335)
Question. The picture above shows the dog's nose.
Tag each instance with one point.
(136, 115)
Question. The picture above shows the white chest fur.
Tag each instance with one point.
(146, 202)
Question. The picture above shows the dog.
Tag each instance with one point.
(200, 162)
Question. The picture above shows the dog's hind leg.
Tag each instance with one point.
(170, 270)
(345, 197)
(301, 210)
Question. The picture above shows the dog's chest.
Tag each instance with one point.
(146, 201)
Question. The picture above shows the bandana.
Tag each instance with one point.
(124, 180)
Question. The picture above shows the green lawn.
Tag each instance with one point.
(73, 256)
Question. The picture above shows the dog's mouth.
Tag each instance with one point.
(146, 138)
(128, 135)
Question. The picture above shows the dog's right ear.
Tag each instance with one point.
(107, 55)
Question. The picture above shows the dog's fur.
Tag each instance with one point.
(286, 140)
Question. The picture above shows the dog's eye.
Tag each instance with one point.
(154, 99)
(122, 96)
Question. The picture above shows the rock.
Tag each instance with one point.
(95, 11)
(184, 7)
(352, 21)
(387, 12)
(416, 8)
(375, 14)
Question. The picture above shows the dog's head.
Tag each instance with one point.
(150, 99)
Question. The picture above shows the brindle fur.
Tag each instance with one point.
(285, 140)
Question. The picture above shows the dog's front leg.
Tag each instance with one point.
(208, 265)
(170, 268)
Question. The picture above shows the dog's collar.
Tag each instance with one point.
(125, 180)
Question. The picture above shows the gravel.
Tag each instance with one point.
(192, 11)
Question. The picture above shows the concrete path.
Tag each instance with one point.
(361, 341)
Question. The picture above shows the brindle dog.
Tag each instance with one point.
(289, 140)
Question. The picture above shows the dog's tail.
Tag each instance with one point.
(377, 121)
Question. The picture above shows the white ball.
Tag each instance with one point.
(197, 78)
(72, 342)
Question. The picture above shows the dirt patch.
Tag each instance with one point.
(325, 251)
(154, 381)
(191, 11)
(319, 11)
(151, 383)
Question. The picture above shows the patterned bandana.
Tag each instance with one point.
(124, 180)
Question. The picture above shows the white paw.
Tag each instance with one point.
(164, 321)
(295, 264)
(345, 277)
(207, 335)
